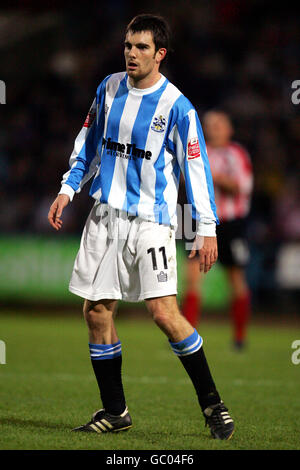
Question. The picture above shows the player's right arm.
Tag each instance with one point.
(56, 210)
(83, 153)
(84, 159)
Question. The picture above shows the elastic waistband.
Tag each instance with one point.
(103, 208)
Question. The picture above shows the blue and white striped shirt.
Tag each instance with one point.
(135, 142)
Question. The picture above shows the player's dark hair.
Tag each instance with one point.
(154, 23)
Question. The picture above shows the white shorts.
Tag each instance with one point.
(124, 257)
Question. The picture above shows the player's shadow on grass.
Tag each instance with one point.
(32, 423)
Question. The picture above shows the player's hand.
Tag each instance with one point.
(208, 252)
(56, 210)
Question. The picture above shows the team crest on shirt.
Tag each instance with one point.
(159, 124)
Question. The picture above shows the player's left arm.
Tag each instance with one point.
(193, 160)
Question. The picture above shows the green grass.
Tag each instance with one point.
(47, 387)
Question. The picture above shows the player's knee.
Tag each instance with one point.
(162, 319)
(96, 314)
(160, 314)
(97, 321)
(87, 309)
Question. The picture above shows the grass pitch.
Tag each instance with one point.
(47, 387)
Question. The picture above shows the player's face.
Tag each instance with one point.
(217, 128)
(142, 61)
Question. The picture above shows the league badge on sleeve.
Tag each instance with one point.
(193, 148)
(89, 119)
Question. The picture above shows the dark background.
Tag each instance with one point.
(239, 55)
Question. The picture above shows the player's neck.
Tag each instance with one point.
(146, 82)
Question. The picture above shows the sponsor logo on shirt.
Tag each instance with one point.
(158, 124)
(128, 151)
(193, 148)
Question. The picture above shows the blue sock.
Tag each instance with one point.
(105, 351)
(187, 346)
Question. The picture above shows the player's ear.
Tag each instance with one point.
(161, 54)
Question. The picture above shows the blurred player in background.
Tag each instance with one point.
(140, 132)
(233, 180)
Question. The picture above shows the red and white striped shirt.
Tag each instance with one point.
(233, 161)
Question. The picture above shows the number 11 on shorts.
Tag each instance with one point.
(162, 250)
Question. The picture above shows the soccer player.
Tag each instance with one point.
(233, 180)
(139, 134)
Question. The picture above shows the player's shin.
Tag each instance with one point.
(107, 363)
(192, 357)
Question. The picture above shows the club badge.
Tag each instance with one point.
(159, 124)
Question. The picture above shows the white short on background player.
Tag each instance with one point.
(140, 133)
